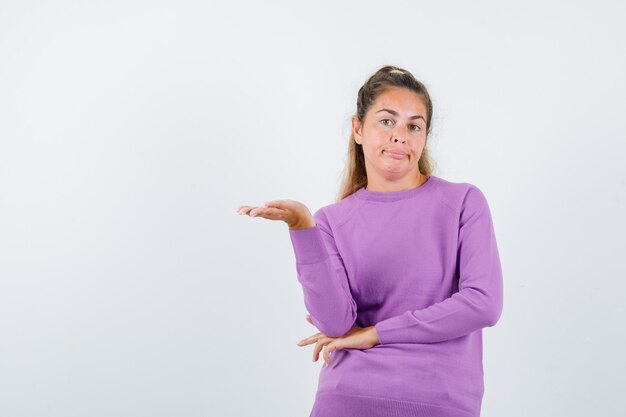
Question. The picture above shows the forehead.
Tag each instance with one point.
(402, 100)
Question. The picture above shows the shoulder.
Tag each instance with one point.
(332, 216)
(459, 196)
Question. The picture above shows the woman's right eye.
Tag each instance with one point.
(382, 121)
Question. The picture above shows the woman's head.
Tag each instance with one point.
(394, 113)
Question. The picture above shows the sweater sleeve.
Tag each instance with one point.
(323, 277)
(477, 304)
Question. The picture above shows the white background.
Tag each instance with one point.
(131, 130)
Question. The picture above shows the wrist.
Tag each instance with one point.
(300, 226)
(374, 335)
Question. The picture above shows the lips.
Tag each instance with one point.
(395, 154)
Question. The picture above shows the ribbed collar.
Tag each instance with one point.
(364, 194)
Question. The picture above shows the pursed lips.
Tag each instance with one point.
(395, 155)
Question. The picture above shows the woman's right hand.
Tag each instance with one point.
(295, 214)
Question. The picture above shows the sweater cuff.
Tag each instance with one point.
(308, 245)
(392, 329)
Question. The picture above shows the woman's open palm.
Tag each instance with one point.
(294, 213)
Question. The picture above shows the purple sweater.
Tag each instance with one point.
(422, 266)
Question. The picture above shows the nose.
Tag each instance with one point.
(397, 138)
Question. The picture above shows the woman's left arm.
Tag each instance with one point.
(477, 304)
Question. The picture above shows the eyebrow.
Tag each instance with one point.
(395, 113)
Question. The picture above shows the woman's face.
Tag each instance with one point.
(395, 122)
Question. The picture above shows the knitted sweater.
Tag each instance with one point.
(422, 266)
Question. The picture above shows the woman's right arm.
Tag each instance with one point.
(323, 277)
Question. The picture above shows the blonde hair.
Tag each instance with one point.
(354, 174)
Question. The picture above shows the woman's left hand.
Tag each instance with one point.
(355, 338)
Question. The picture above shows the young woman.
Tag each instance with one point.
(401, 274)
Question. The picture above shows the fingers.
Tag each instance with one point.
(324, 341)
(245, 209)
(309, 340)
(326, 355)
(275, 204)
(271, 213)
(320, 341)
(316, 350)
(327, 350)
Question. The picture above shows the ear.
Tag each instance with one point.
(356, 129)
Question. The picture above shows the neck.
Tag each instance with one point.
(395, 186)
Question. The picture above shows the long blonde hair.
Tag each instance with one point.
(354, 174)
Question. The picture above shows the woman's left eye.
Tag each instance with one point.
(412, 126)
(383, 121)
